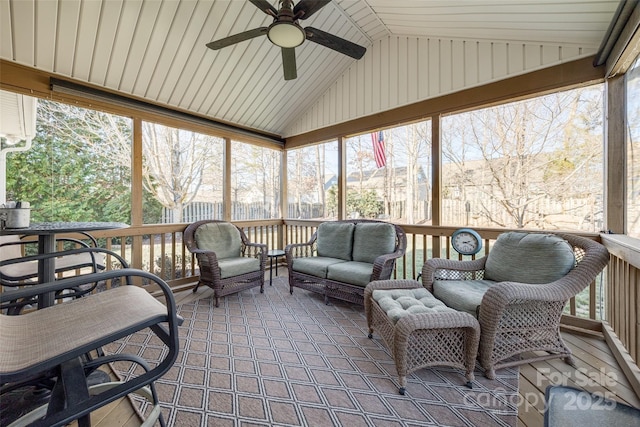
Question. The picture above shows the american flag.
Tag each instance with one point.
(378, 148)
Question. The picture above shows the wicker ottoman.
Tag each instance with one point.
(419, 329)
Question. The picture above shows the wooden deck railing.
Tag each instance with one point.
(614, 296)
(623, 292)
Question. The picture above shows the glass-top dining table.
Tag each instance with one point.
(46, 232)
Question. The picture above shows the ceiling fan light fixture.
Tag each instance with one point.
(286, 34)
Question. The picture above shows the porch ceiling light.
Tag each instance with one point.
(286, 34)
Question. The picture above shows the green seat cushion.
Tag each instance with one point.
(335, 240)
(315, 266)
(398, 303)
(230, 267)
(370, 240)
(351, 272)
(222, 238)
(529, 258)
(462, 295)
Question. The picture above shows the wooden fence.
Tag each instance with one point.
(240, 211)
(570, 214)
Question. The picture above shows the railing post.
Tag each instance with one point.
(280, 235)
(136, 252)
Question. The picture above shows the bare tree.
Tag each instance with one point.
(417, 149)
(303, 178)
(255, 177)
(633, 151)
(515, 155)
(362, 159)
(174, 164)
(174, 159)
(320, 176)
(106, 134)
(411, 144)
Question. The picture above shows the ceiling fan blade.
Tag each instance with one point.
(334, 42)
(306, 8)
(237, 38)
(266, 7)
(289, 63)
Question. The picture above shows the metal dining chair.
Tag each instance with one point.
(51, 344)
(15, 247)
(17, 270)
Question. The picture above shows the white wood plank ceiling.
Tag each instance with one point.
(416, 49)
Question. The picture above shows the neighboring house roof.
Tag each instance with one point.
(394, 179)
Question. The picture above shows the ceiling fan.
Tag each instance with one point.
(286, 33)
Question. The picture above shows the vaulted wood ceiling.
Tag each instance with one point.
(155, 50)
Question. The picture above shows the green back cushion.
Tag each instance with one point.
(529, 258)
(335, 240)
(370, 240)
(220, 237)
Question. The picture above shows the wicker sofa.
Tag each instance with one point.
(518, 293)
(342, 257)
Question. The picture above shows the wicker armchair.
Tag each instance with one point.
(228, 262)
(517, 317)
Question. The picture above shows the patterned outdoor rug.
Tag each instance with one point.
(276, 359)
